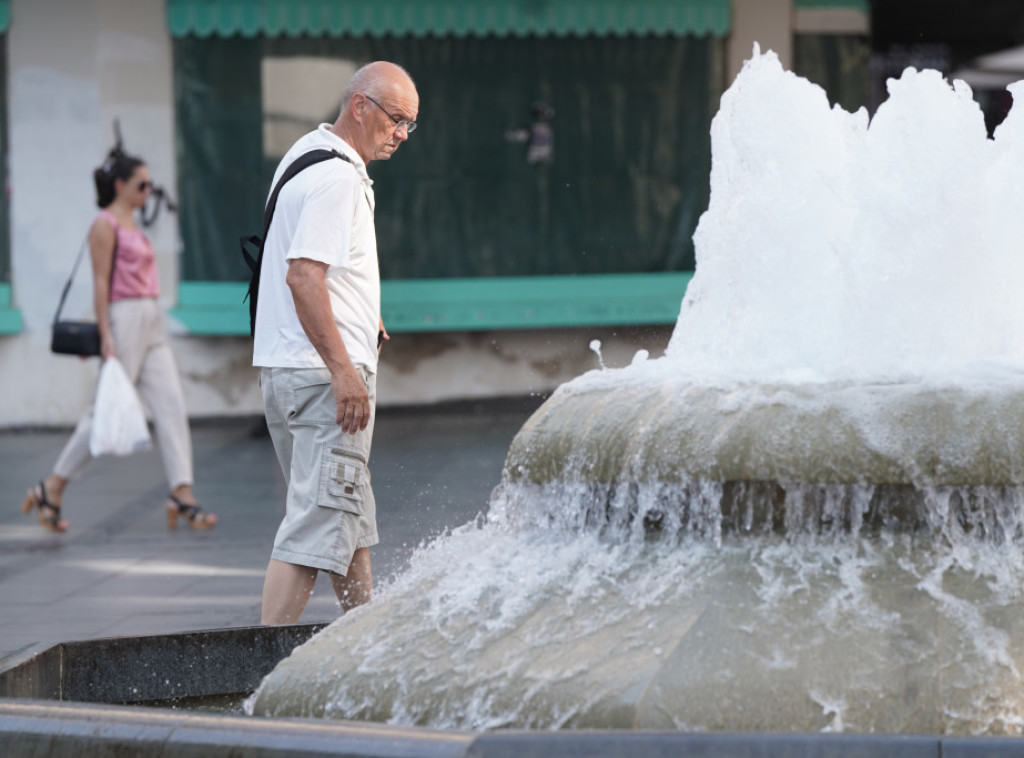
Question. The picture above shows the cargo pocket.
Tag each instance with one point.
(341, 480)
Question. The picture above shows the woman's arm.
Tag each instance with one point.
(101, 251)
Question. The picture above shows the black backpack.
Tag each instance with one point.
(255, 264)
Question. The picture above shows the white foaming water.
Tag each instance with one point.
(499, 628)
(837, 249)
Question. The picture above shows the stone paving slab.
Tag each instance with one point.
(120, 571)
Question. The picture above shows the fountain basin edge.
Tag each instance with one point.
(56, 701)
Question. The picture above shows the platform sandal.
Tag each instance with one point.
(195, 516)
(47, 513)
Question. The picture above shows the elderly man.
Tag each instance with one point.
(317, 336)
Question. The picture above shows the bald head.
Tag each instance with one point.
(376, 79)
(379, 99)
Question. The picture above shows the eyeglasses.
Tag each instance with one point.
(408, 126)
(144, 185)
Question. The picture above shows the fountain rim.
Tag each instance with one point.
(33, 723)
(32, 727)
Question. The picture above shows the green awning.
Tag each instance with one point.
(857, 5)
(248, 18)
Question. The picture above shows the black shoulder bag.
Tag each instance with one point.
(255, 264)
(78, 337)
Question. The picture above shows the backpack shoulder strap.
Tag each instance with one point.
(300, 164)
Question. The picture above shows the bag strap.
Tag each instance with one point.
(74, 270)
(300, 164)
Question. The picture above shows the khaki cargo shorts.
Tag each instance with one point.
(330, 510)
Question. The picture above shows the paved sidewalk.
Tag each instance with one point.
(119, 570)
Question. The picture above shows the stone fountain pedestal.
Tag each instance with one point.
(621, 426)
(850, 539)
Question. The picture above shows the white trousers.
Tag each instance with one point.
(140, 340)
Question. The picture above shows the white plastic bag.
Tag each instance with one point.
(118, 423)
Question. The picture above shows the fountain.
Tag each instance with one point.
(807, 516)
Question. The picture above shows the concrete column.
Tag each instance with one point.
(767, 22)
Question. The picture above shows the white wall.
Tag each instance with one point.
(73, 66)
(76, 65)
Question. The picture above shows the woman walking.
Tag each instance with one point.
(131, 327)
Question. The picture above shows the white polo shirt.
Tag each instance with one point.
(325, 214)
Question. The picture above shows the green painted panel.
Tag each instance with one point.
(247, 18)
(10, 321)
(437, 305)
(532, 302)
(5, 15)
(222, 185)
(213, 308)
(10, 317)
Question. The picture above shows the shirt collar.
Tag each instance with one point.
(342, 146)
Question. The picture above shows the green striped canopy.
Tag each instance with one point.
(248, 18)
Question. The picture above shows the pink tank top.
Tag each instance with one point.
(134, 266)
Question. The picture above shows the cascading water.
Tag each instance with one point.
(807, 516)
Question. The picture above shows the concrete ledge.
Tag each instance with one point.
(54, 730)
(137, 670)
(620, 744)
(33, 721)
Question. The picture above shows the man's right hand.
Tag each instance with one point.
(351, 400)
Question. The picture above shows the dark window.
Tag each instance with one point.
(472, 193)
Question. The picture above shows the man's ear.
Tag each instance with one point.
(356, 106)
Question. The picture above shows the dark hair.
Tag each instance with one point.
(117, 166)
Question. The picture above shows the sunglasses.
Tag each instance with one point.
(144, 185)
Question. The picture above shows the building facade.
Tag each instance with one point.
(548, 199)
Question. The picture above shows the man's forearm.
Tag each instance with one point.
(313, 306)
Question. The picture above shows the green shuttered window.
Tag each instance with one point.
(469, 208)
